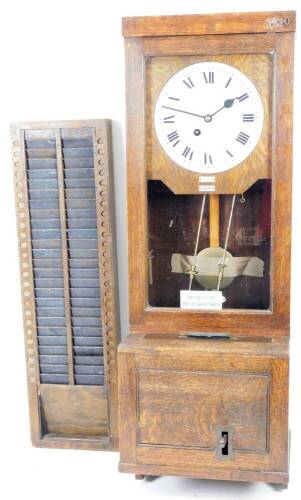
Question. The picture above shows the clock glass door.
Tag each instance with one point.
(209, 179)
(210, 242)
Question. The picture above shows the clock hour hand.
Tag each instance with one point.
(183, 111)
(227, 104)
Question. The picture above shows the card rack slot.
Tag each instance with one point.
(65, 242)
(41, 164)
(52, 350)
(79, 173)
(83, 263)
(54, 378)
(46, 244)
(48, 302)
(45, 225)
(48, 273)
(78, 163)
(84, 273)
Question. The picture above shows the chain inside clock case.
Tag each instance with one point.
(65, 216)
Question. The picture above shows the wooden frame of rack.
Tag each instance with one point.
(71, 414)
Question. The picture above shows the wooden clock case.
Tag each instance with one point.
(210, 408)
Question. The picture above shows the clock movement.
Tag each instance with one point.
(203, 374)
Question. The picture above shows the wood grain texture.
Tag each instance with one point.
(206, 473)
(45, 409)
(75, 443)
(26, 279)
(246, 22)
(127, 405)
(177, 394)
(180, 408)
(105, 208)
(144, 318)
(184, 396)
(84, 413)
(136, 180)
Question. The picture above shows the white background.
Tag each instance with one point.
(64, 60)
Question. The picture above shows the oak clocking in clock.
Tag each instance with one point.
(209, 105)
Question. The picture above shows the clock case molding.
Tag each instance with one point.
(266, 34)
(179, 397)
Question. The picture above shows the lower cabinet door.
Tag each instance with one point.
(225, 419)
(219, 413)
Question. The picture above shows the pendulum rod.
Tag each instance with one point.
(214, 220)
(222, 265)
(192, 271)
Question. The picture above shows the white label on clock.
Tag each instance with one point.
(209, 117)
(201, 299)
(207, 188)
(207, 178)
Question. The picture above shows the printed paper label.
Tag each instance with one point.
(207, 178)
(207, 188)
(202, 299)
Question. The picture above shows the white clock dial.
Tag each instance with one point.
(209, 117)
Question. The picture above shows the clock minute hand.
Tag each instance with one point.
(183, 111)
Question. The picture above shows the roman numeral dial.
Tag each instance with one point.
(243, 97)
(208, 159)
(242, 138)
(188, 82)
(248, 117)
(187, 153)
(208, 76)
(169, 119)
(208, 117)
(173, 137)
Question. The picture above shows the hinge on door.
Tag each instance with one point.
(150, 267)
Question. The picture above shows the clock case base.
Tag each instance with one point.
(276, 478)
(179, 397)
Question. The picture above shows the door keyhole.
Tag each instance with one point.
(225, 443)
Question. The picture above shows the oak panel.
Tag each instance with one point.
(245, 22)
(181, 392)
(144, 318)
(83, 414)
(187, 409)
